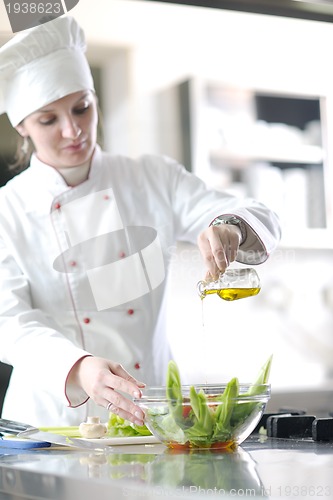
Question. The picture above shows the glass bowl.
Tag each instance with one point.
(204, 416)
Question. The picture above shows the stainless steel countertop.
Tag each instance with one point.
(261, 467)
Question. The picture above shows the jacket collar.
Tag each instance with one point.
(50, 175)
(46, 183)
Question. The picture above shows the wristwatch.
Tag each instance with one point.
(234, 221)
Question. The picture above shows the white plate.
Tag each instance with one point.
(117, 441)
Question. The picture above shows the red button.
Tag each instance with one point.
(86, 320)
(130, 311)
(57, 206)
(137, 366)
(72, 263)
(122, 255)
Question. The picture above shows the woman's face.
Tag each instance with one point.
(64, 132)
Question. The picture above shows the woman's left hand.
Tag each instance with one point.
(219, 246)
(104, 381)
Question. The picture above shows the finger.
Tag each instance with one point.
(119, 370)
(127, 416)
(229, 238)
(234, 241)
(124, 407)
(209, 243)
(219, 247)
(222, 253)
(120, 381)
(137, 420)
(208, 277)
(118, 378)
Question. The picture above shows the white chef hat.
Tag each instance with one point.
(41, 65)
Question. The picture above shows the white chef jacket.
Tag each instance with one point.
(82, 270)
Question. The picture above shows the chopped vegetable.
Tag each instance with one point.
(243, 410)
(70, 431)
(263, 375)
(203, 419)
(174, 391)
(118, 426)
(225, 410)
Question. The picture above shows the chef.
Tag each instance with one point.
(86, 238)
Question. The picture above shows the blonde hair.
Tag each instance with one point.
(22, 155)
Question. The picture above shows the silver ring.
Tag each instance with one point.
(109, 406)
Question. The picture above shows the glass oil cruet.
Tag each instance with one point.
(233, 284)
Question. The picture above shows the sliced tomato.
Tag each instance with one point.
(186, 410)
(179, 447)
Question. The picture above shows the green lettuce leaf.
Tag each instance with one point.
(223, 428)
(202, 417)
(120, 427)
(174, 391)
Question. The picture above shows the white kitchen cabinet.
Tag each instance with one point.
(266, 143)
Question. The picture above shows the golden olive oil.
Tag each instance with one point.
(232, 293)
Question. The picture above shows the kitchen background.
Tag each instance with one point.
(245, 101)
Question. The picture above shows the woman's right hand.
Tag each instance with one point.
(218, 246)
(101, 379)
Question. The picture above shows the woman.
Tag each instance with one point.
(85, 240)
